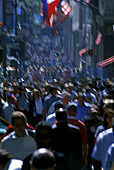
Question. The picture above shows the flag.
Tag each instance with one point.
(105, 62)
(66, 8)
(61, 15)
(98, 40)
(49, 9)
(81, 52)
(88, 1)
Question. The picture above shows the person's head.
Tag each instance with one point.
(61, 115)
(71, 110)
(87, 88)
(18, 120)
(66, 87)
(10, 98)
(108, 116)
(71, 87)
(108, 103)
(5, 157)
(36, 93)
(22, 90)
(43, 134)
(53, 90)
(65, 98)
(93, 113)
(81, 98)
(42, 159)
(58, 105)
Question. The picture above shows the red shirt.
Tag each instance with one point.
(83, 131)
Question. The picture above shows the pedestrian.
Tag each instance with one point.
(50, 99)
(19, 143)
(44, 139)
(8, 108)
(82, 107)
(71, 119)
(35, 108)
(104, 140)
(67, 140)
(43, 159)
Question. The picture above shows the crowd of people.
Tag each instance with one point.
(69, 121)
(51, 117)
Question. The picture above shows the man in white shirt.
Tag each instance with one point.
(19, 143)
(8, 107)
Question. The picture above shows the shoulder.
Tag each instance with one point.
(51, 116)
(31, 132)
(58, 96)
(82, 124)
(9, 137)
(87, 105)
(47, 97)
(5, 105)
(101, 127)
(15, 164)
(105, 133)
(73, 127)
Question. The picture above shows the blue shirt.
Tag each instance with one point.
(82, 111)
(99, 129)
(109, 160)
(104, 140)
(49, 101)
(51, 119)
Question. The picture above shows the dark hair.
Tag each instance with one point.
(72, 107)
(43, 159)
(61, 114)
(52, 88)
(42, 125)
(58, 105)
(5, 157)
(17, 115)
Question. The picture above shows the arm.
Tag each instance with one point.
(44, 114)
(85, 152)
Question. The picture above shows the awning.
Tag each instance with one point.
(105, 62)
(86, 51)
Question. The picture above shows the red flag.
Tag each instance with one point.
(98, 40)
(61, 15)
(52, 9)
